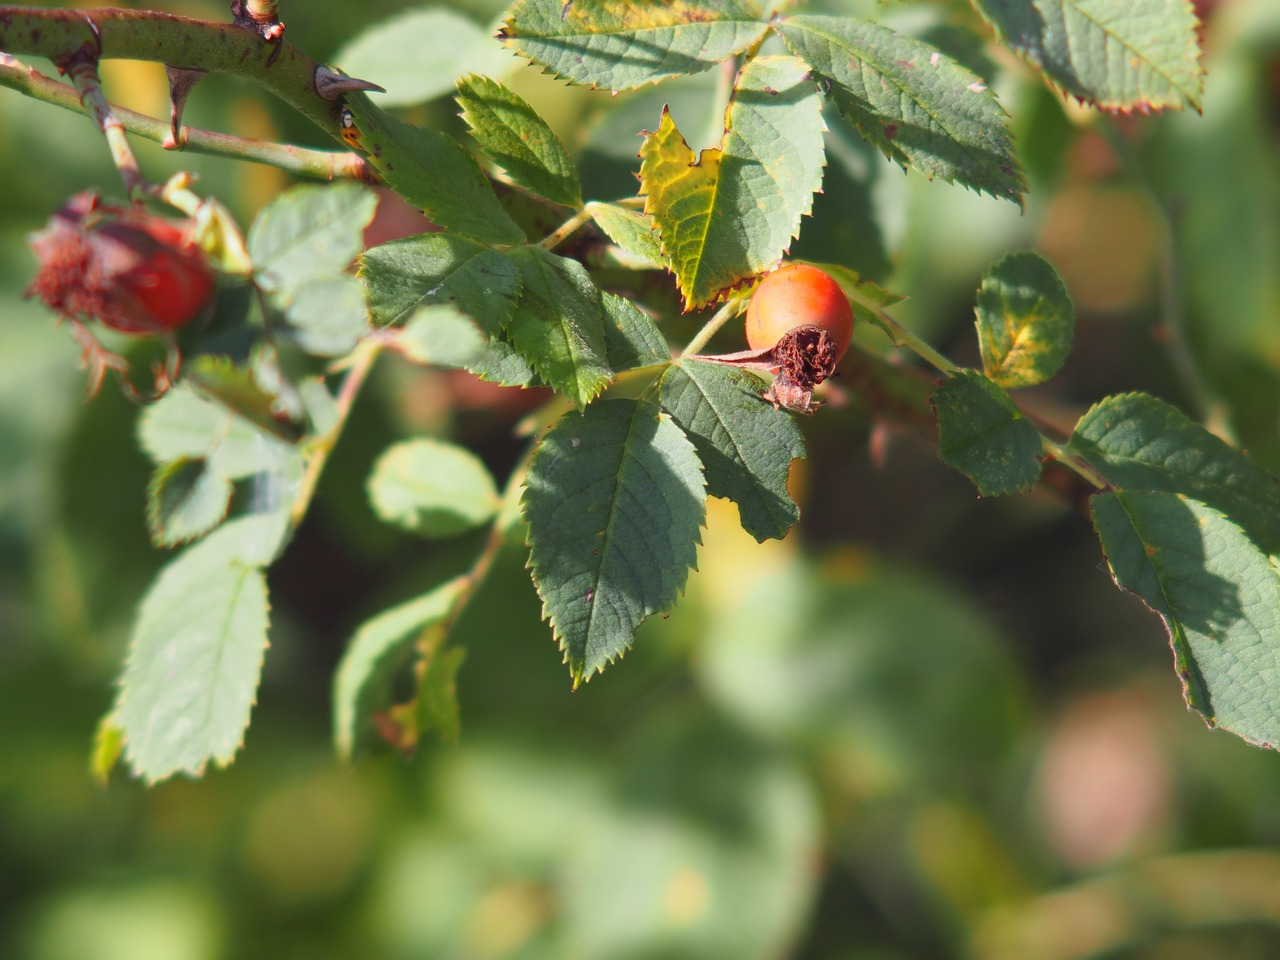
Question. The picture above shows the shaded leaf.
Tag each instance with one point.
(185, 425)
(433, 488)
(1217, 594)
(418, 54)
(436, 706)
(920, 107)
(195, 655)
(745, 444)
(617, 44)
(518, 140)
(614, 502)
(558, 326)
(1140, 443)
(238, 389)
(1025, 321)
(865, 297)
(730, 213)
(380, 647)
(186, 498)
(633, 231)
(108, 746)
(982, 433)
(434, 173)
(631, 337)
(1117, 54)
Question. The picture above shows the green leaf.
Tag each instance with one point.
(441, 335)
(108, 746)
(327, 316)
(866, 297)
(195, 656)
(916, 104)
(518, 140)
(380, 647)
(185, 425)
(434, 173)
(631, 337)
(982, 433)
(417, 55)
(1140, 443)
(239, 389)
(1025, 321)
(729, 213)
(1117, 54)
(403, 275)
(617, 44)
(436, 706)
(186, 498)
(746, 445)
(614, 503)
(633, 231)
(558, 326)
(1217, 594)
(433, 488)
(308, 233)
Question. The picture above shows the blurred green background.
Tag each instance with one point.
(925, 725)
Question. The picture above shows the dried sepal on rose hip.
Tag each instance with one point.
(127, 269)
(799, 324)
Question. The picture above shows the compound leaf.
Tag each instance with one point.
(920, 107)
(614, 502)
(1218, 595)
(731, 212)
(433, 488)
(1025, 321)
(617, 44)
(1116, 54)
(1140, 443)
(982, 433)
(746, 445)
(518, 140)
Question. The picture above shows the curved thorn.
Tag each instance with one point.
(331, 85)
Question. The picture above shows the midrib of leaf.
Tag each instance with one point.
(613, 513)
(1134, 51)
(866, 62)
(242, 578)
(737, 448)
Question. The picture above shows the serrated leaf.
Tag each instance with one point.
(558, 326)
(1140, 443)
(417, 55)
(327, 316)
(518, 140)
(433, 488)
(441, 335)
(195, 656)
(631, 337)
(614, 502)
(1117, 54)
(633, 231)
(185, 425)
(746, 445)
(920, 107)
(433, 172)
(307, 233)
(186, 498)
(617, 44)
(983, 434)
(238, 389)
(1217, 594)
(1025, 321)
(379, 648)
(729, 213)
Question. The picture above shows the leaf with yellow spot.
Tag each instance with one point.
(1025, 321)
(731, 212)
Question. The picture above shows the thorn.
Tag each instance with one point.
(331, 85)
(181, 82)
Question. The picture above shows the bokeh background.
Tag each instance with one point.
(924, 725)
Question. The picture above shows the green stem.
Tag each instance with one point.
(1072, 462)
(902, 337)
(723, 316)
(565, 230)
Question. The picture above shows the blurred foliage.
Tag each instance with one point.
(922, 726)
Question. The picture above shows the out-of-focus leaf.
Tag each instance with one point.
(1025, 321)
(308, 233)
(616, 44)
(433, 488)
(729, 213)
(185, 425)
(1217, 594)
(631, 337)
(1140, 443)
(327, 316)
(195, 656)
(418, 54)
(633, 231)
(108, 745)
(614, 500)
(983, 434)
(746, 445)
(238, 389)
(185, 499)
(380, 647)
(866, 298)
(920, 107)
(434, 173)
(1118, 54)
(518, 140)
(441, 335)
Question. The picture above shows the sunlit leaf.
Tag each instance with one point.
(433, 488)
(1025, 321)
(633, 231)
